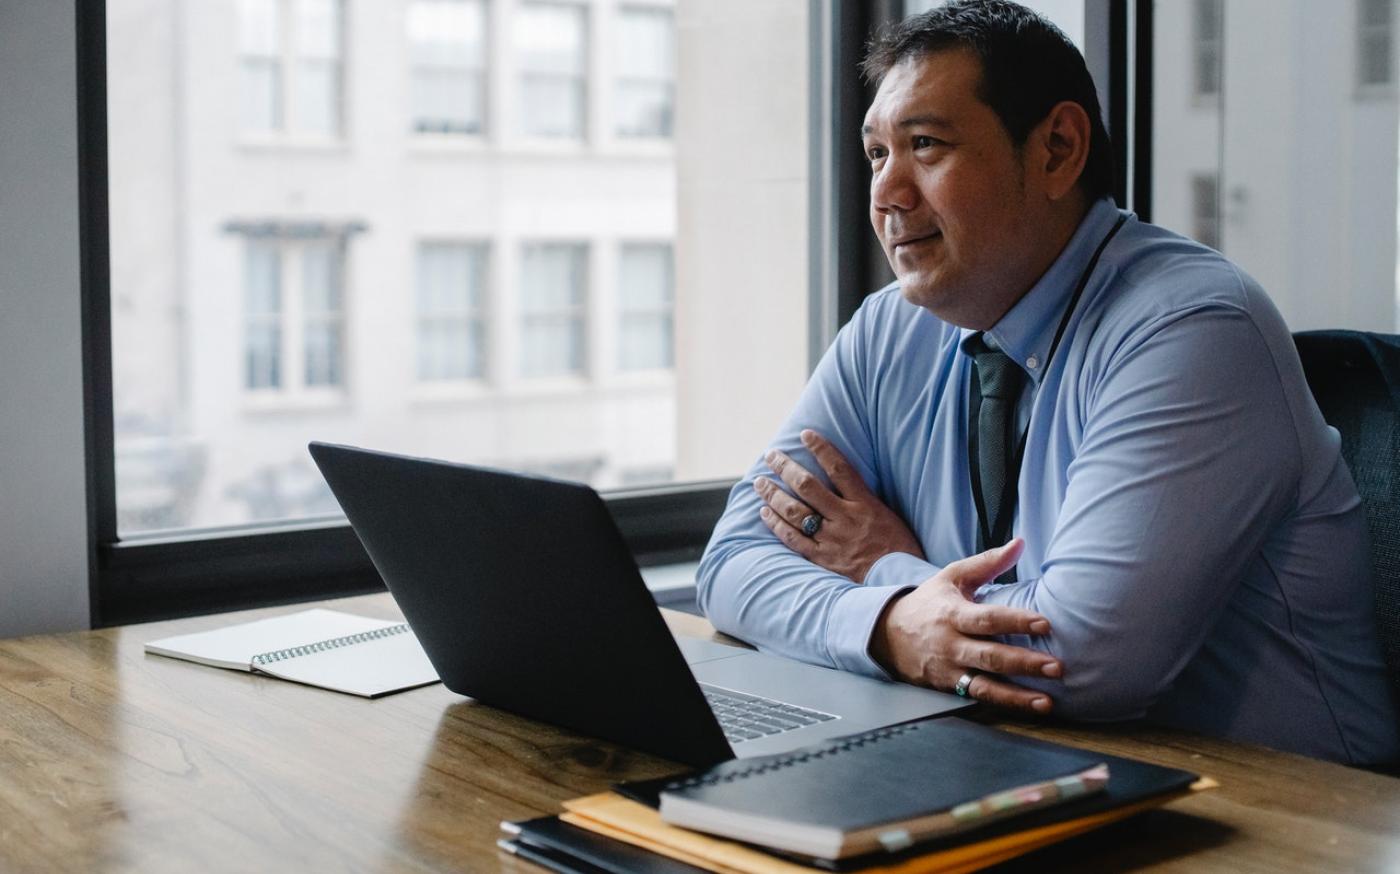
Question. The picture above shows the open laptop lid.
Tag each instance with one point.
(526, 598)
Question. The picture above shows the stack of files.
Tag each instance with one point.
(816, 808)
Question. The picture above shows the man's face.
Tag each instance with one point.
(949, 195)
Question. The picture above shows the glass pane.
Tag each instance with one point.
(447, 33)
(552, 346)
(1067, 15)
(320, 283)
(552, 106)
(645, 277)
(236, 340)
(261, 92)
(318, 29)
(551, 278)
(644, 109)
(645, 44)
(1292, 172)
(448, 101)
(318, 97)
(263, 280)
(263, 354)
(323, 351)
(550, 38)
(646, 341)
(257, 27)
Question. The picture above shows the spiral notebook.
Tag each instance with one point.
(882, 790)
(326, 648)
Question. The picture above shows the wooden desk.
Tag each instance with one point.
(112, 760)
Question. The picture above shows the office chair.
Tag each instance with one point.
(1355, 377)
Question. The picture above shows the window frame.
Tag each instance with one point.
(663, 313)
(154, 576)
(523, 76)
(287, 63)
(481, 72)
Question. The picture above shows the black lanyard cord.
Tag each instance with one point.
(1002, 534)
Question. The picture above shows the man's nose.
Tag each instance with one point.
(892, 187)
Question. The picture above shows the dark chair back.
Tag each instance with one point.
(1355, 377)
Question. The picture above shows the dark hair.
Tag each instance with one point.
(1028, 66)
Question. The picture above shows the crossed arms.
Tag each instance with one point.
(1185, 460)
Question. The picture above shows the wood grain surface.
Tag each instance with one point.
(114, 760)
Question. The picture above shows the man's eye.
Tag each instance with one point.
(923, 142)
(875, 153)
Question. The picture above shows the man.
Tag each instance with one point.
(1189, 547)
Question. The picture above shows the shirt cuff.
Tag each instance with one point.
(851, 623)
(899, 569)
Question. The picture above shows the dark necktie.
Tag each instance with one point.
(1000, 380)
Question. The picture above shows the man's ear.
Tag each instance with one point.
(1062, 147)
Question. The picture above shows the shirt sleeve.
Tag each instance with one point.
(1188, 458)
(753, 587)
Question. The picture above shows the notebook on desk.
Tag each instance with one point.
(326, 648)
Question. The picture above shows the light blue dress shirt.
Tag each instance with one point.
(1191, 530)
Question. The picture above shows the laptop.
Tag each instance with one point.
(525, 597)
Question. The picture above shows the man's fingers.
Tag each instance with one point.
(984, 620)
(1008, 695)
(802, 481)
(969, 573)
(790, 536)
(844, 478)
(1000, 658)
(792, 510)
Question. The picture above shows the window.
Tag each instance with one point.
(481, 314)
(293, 316)
(1205, 206)
(552, 309)
(291, 66)
(447, 57)
(646, 72)
(451, 311)
(1285, 173)
(551, 44)
(1374, 42)
(645, 295)
(1206, 47)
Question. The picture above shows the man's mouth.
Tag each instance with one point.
(904, 242)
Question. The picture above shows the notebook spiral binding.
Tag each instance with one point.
(855, 741)
(268, 658)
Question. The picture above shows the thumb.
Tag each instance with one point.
(969, 573)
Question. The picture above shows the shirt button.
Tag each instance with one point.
(1032, 362)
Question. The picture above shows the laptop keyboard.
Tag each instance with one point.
(745, 717)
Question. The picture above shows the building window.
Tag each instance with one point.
(294, 315)
(1373, 48)
(551, 43)
(291, 66)
(553, 302)
(1205, 209)
(646, 42)
(447, 58)
(451, 284)
(1208, 32)
(646, 302)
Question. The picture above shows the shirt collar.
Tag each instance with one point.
(1028, 328)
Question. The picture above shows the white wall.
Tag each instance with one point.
(43, 522)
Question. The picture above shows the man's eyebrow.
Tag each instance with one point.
(914, 121)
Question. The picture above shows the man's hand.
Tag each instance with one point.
(856, 531)
(934, 634)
